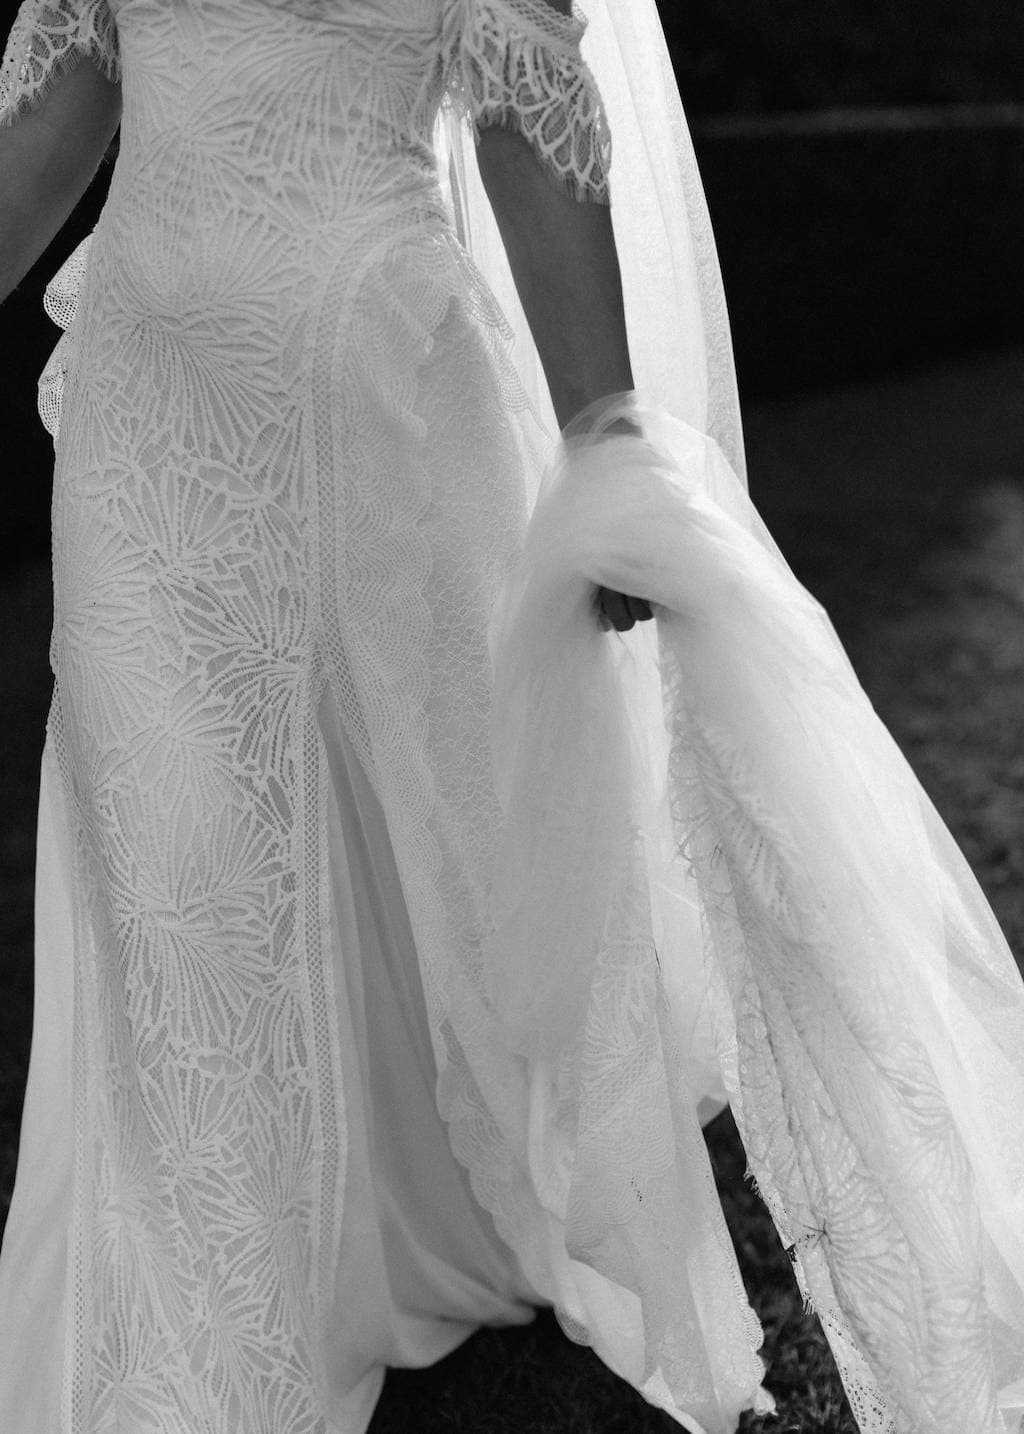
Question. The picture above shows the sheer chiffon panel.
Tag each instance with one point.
(420, 1264)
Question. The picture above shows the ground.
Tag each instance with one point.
(901, 506)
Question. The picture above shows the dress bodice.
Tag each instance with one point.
(278, 147)
(361, 77)
(289, 134)
(307, 114)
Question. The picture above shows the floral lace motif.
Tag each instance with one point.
(522, 69)
(48, 39)
(282, 373)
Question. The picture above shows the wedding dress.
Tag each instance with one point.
(396, 927)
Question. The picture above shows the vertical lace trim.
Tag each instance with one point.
(521, 68)
(48, 39)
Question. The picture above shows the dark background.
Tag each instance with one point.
(764, 56)
(864, 165)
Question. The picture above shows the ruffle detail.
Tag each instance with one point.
(520, 68)
(61, 304)
(48, 39)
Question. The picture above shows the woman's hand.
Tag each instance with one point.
(619, 610)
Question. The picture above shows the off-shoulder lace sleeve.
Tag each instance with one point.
(48, 39)
(521, 68)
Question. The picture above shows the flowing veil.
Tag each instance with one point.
(870, 1017)
(675, 305)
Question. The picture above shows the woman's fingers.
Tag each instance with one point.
(617, 611)
(620, 611)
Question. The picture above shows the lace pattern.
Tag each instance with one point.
(48, 39)
(521, 68)
(61, 304)
(211, 1129)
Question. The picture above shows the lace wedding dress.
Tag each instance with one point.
(396, 928)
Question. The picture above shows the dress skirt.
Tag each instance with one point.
(420, 1266)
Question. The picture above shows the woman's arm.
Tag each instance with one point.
(562, 255)
(561, 251)
(47, 158)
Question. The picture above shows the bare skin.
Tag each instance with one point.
(563, 259)
(46, 162)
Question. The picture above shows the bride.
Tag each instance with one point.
(406, 897)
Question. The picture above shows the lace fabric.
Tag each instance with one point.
(49, 38)
(522, 68)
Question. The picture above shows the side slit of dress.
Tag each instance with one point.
(419, 1255)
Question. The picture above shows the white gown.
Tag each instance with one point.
(393, 938)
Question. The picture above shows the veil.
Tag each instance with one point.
(676, 315)
(887, 987)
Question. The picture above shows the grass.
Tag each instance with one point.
(903, 509)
